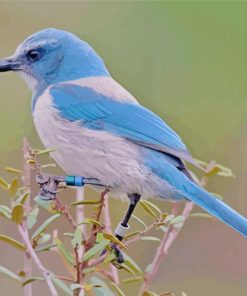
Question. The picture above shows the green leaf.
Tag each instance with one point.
(147, 208)
(97, 248)
(14, 243)
(111, 237)
(22, 199)
(9, 274)
(13, 170)
(139, 221)
(103, 289)
(48, 165)
(90, 270)
(150, 204)
(4, 184)
(45, 204)
(46, 151)
(149, 293)
(78, 238)
(66, 254)
(178, 221)
(201, 215)
(133, 279)
(68, 234)
(150, 238)
(110, 258)
(131, 234)
(61, 285)
(91, 221)
(132, 264)
(75, 286)
(32, 218)
(85, 202)
(13, 187)
(5, 211)
(117, 289)
(44, 238)
(43, 227)
(17, 214)
(45, 248)
(29, 280)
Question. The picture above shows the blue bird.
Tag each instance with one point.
(99, 129)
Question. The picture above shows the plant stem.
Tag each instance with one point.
(26, 180)
(24, 234)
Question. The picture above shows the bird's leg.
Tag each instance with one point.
(124, 226)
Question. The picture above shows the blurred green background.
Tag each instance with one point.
(186, 61)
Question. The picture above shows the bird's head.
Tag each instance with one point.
(51, 56)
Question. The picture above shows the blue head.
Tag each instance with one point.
(52, 56)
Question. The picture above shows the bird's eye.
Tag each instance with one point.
(33, 55)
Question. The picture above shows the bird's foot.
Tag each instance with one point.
(119, 256)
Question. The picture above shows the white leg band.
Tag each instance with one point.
(121, 230)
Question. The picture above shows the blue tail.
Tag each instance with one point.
(215, 207)
(193, 192)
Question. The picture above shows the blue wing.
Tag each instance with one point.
(132, 121)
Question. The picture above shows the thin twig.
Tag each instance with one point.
(106, 210)
(35, 258)
(167, 241)
(26, 180)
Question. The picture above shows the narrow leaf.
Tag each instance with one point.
(5, 211)
(133, 279)
(85, 202)
(44, 248)
(43, 227)
(103, 289)
(149, 293)
(4, 184)
(113, 239)
(78, 238)
(13, 170)
(44, 238)
(147, 202)
(29, 280)
(117, 289)
(132, 264)
(8, 273)
(201, 215)
(91, 221)
(96, 249)
(14, 243)
(22, 199)
(13, 187)
(131, 234)
(150, 238)
(177, 220)
(32, 218)
(17, 214)
(61, 285)
(64, 251)
(46, 151)
(139, 221)
(147, 208)
(75, 286)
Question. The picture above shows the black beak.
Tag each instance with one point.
(9, 64)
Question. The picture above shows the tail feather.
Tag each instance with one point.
(216, 207)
